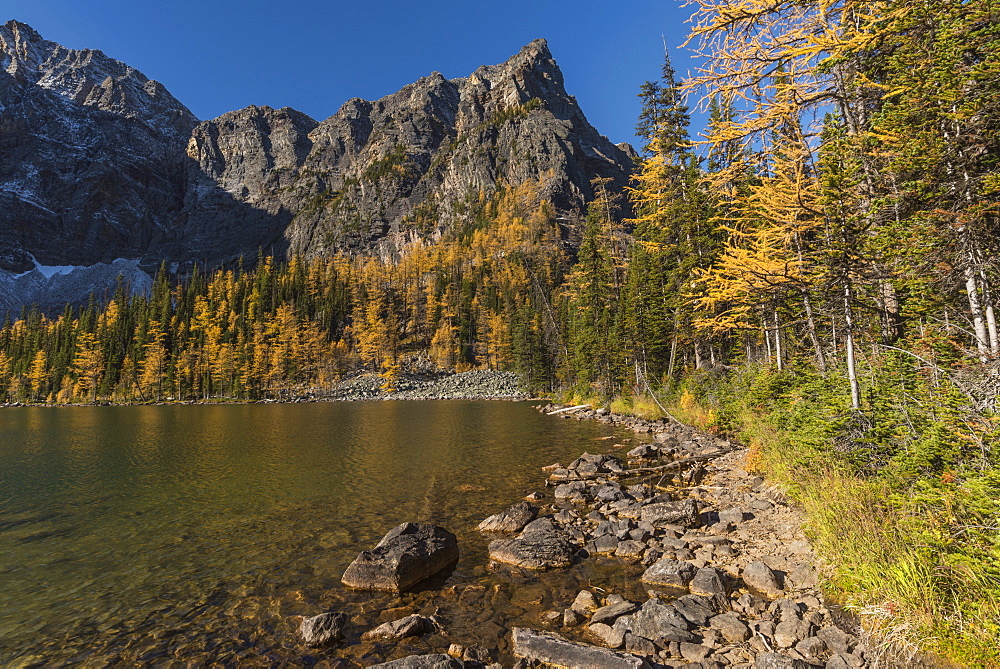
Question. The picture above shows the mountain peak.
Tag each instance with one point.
(536, 48)
(23, 29)
(88, 77)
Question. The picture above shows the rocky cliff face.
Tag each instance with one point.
(91, 155)
(376, 174)
(97, 162)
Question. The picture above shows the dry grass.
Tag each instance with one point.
(641, 406)
(690, 411)
(889, 640)
(754, 462)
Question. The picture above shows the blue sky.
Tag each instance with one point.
(220, 55)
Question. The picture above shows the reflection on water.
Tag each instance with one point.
(197, 533)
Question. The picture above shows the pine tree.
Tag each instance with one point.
(38, 376)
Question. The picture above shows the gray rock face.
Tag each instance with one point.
(97, 162)
(512, 520)
(324, 629)
(553, 649)
(407, 554)
(52, 291)
(381, 167)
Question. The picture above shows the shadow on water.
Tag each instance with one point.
(31, 519)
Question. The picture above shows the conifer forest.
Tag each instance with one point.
(815, 273)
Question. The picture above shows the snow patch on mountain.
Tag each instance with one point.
(52, 287)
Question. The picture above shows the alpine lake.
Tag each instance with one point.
(201, 534)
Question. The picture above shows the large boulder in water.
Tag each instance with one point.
(407, 554)
(541, 545)
(512, 520)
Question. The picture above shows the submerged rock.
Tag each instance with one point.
(400, 629)
(324, 629)
(437, 661)
(407, 554)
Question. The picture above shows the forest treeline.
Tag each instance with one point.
(817, 272)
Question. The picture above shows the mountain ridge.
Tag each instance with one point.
(101, 163)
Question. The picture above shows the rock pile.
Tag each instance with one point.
(474, 385)
(730, 577)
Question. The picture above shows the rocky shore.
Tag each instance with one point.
(481, 384)
(714, 571)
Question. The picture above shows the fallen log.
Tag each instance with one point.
(576, 408)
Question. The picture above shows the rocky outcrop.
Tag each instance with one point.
(53, 288)
(408, 554)
(97, 162)
(377, 175)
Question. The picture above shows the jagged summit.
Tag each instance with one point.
(90, 78)
(98, 162)
(377, 174)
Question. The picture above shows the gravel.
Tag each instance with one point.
(475, 385)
